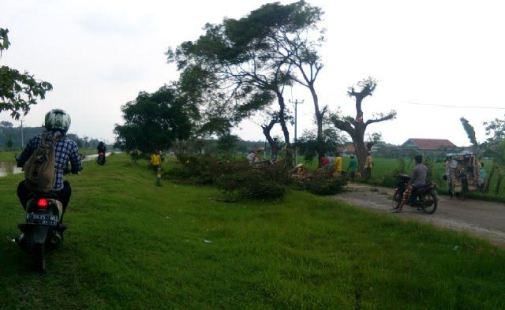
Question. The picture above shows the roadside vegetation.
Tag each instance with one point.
(131, 244)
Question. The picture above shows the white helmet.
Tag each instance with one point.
(57, 119)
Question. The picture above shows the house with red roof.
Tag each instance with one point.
(429, 144)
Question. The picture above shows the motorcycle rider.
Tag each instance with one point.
(418, 178)
(101, 148)
(56, 124)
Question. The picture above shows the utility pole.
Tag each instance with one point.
(296, 102)
(22, 136)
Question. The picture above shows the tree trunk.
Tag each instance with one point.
(319, 121)
(266, 132)
(359, 144)
(285, 131)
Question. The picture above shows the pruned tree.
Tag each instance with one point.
(357, 126)
(18, 91)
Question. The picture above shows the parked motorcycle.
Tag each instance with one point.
(100, 158)
(426, 196)
(42, 230)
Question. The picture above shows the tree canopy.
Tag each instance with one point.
(18, 91)
(154, 121)
(243, 65)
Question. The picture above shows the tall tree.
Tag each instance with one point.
(18, 91)
(357, 126)
(299, 46)
(248, 58)
(154, 121)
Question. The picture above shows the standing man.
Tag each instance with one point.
(368, 166)
(353, 167)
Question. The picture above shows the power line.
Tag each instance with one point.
(453, 106)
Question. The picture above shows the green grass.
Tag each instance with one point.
(133, 245)
(7, 155)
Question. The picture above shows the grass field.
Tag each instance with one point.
(132, 245)
(7, 156)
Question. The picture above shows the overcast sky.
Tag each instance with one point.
(431, 58)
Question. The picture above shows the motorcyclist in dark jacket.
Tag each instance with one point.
(101, 148)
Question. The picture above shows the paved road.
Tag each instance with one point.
(481, 218)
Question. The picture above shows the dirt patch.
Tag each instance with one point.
(480, 218)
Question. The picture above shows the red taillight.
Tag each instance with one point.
(42, 203)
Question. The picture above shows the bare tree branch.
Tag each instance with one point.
(390, 115)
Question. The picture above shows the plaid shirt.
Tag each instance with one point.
(65, 150)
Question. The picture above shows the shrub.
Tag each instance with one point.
(321, 184)
(250, 184)
(236, 178)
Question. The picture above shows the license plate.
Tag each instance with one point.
(43, 219)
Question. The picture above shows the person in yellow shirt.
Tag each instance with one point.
(338, 165)
(156, 164)
(156, 160)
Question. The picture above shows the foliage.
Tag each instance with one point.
(243, 65)
(322, 184)
(6, 124)
(470, 131)
(308, 146)
(18, 91)
(135, 155)
(495, 130)
(249, 184)
(154, 121)
(236, 178)
(227, 142)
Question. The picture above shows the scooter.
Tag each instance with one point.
(42, 230)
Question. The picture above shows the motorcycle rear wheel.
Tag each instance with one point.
(397, 199)
(39, 260)
(433, 207)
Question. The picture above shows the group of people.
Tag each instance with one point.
(335, 166)
(464, 173)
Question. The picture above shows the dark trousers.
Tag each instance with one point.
(368, 173)
(414, 194)
(62, 195)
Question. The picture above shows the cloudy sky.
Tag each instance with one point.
(436, 61)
